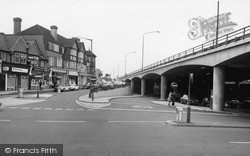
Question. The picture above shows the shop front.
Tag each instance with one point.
(82, 79)
(39, 78)
(59, 76)
(72, 77)
(14, 76)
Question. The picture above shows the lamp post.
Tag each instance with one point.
(91, 42)
(126, 60)
(119, 67)
(143, 45)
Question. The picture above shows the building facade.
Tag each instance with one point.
(39, 55)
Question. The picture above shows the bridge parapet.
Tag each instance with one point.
(233, 37)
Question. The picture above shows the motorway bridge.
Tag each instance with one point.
(218, 68)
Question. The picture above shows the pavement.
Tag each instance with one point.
(11, 98)
(242, 115)
(30, 96)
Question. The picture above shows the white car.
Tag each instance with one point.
(64, 88)
(73, 87)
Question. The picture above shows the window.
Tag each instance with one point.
(23, 58)
(73, 58)
(55, 48)
(59, 62)
(42, 64)
(17, 57)
(3, 56)
(34, 60)
(72, 65)
(51, 61)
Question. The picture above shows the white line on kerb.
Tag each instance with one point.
(239, 142)
(137, 121)
(59, 121)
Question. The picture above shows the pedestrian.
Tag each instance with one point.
(40, 84)
(171, 99)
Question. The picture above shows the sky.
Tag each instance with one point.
(117, 26)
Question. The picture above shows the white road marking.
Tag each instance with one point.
(13, 107)
(25, 108)
(136, 110)
(137, 121)
(4, 120)
(47, 108)
(239, 142)
(80, 109)
(69, 109)
(58, 121)
(37, 108)
(58, 109)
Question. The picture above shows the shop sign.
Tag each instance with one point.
(73, 73)
(59, 70)
(201, 27)
(19, 70)
(6, 68)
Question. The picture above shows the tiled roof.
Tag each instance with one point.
(12, 40)
(3, 43)
(39, 30)
(89, 53)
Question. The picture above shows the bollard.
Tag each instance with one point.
(59, 89)
(179, 111)
(20, 92)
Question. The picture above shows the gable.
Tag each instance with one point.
(75, 46)
(20, 46)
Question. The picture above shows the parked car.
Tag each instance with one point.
(234, 103)
(62, 88)
(184, 100)
(73, 87)
(205, 102)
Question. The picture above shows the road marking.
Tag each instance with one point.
(80, 109)
(239, 142)
(37, 108)
(69, 109)
(58, 121)
(4, 120)
(25, 108)
(136, 110)
(141, 106)
(13, 107)
(58, 109)
(137, 121)
(47, 108)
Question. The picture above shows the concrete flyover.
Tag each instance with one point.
(213, 65)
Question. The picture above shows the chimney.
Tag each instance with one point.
(17, 25)
(54, 31)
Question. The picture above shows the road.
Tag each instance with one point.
(129, 126)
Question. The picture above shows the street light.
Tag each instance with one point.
(126, 61)
(143, 44)
(119, 67)
(91, 41)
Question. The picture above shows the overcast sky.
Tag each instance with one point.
(117, 26)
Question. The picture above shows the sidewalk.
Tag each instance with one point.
(29, 96)
(240, 119)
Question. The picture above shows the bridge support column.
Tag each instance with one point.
(218, 88)
(132, 86)
(163, 87)
(142, 87)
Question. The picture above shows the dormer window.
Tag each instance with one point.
(53, 47)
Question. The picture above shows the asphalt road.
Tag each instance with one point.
(129, 126)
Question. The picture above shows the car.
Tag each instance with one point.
(62, 88)
(73, 87)
(234, 103)
(193, 101)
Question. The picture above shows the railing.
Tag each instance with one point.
(235, 36)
